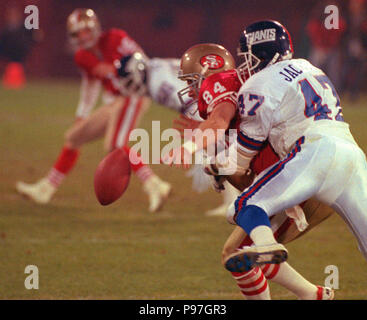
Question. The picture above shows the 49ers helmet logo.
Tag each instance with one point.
(213, 60)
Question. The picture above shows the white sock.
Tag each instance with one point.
(294, 282)
(262, 235)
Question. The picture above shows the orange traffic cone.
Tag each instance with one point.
(14, 77)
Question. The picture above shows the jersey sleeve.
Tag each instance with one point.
(214, 90)
(86, 61)
(120, 44)
(257, 113)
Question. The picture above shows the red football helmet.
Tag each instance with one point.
(83, 28)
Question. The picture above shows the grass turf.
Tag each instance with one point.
(86, 251)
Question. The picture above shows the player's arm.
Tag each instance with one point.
(218, 121)
(257, 117)
(92, 66)
(219, 118)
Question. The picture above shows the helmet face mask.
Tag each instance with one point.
(249, 65)
(189, 95)
(83, 28)
(262, 44)
(199, 62)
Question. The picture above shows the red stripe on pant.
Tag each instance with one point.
(120, 120)
(127, 121)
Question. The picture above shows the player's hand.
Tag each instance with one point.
(104, 70)
(218, 180)
(185, 123)
(178, 157)
(218, 183)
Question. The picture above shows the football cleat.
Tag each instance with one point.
(158, 191)
(40, 192)
(324, 293)
(248, 257)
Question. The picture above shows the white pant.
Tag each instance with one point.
(332, 169)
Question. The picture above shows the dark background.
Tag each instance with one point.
(164, 28)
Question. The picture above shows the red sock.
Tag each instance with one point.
(253, 284)
(64, 163)
(142, 171)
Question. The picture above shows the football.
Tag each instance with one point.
(112, 177)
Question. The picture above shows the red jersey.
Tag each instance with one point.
(224, 86)
(112, 45)
(265, 158)
(217, 88)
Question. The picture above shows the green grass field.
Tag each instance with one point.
(86, 251)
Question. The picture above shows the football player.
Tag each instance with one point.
(294, 106)
(157, 78)
(96, 55)
(215, 87)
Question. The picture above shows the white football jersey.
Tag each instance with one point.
(163, 84)
(285, 101)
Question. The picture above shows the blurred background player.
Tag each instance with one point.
(355, 50)
(325, 51)
(158, 79)
(96, 55)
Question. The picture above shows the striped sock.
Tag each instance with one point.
(64, 163)
(270, 270)
(141, 170)
(253, 284)
(290, 279)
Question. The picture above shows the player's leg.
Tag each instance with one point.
(81, 132)
(285, 230)
(290, 181)
(122, 122)
(352, 203)
(252, 283)
(229, 195)
(283, 273)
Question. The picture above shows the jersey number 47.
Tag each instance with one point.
(314, 106)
